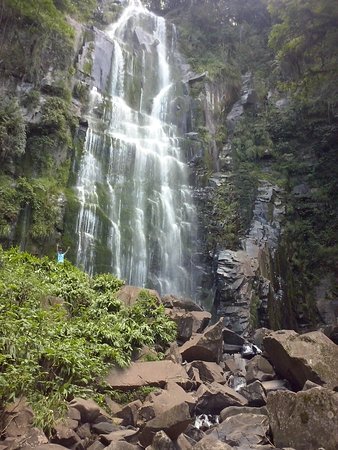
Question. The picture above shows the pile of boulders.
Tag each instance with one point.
(214, 390)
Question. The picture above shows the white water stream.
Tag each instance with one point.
(136, 216)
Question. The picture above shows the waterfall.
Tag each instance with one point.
(136, 217)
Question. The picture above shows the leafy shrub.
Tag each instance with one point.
(52, 353)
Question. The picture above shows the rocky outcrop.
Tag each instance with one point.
(246, 279)
(152, 373)
(311, 356)
(304, 420)
(206, 346)
(228, 403)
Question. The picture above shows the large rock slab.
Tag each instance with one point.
(88, 409)
(206, 347)
(170, 301)
(149, 373)
(311, 356)
(208, 371)
(306, 420)
(184, 322)
(211, 443)
(173, 422)
(201, 320)
(254, 393)
(243, 430)
(159, 402)
(234, 410)
(259, 368)
(214, 397)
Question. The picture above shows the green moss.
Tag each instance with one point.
(31, 99)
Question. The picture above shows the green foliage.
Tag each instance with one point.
(57, 119)
(9, 206)
(223, 225)
(252, 140)
(81, 91)
(304, 39)
(31, 100)
(12, 129)
(122, 397)
(51, 351)
(49, 140)
(46, 16)
(41, 196)
(83, 9)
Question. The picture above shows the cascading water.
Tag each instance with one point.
(136, 216)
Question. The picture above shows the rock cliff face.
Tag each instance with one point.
(247, 281)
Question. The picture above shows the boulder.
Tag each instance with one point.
(234, 410)
(183, 442)
(148, 373)
(194, 375)
(208, 371)
(160, 402)
(17, 418)
(84, 431)
(70, 423)
(214, 397)
(65, 436)
(306, 420)
(173, 422)
(50, 447)
(113, 406)
(310, 356)
(129, 413)
(170, 301)
(116, 436)
(129, 294)
(103, 428)
(275, 385)
(173, 353)
(211, 443)
(236, 364)
(184, 322)
(121, 445)
(259, 368)
(194, 78)
(206, 346)
(232, 338)
(88, 409)
(33, 438)
(96, 445)
(162, 442)
(259, 336)
(188, 322)
(243, 430)
(200, 319)
(254, 393)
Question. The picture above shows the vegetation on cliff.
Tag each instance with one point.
(61, 330)
(287, 136)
